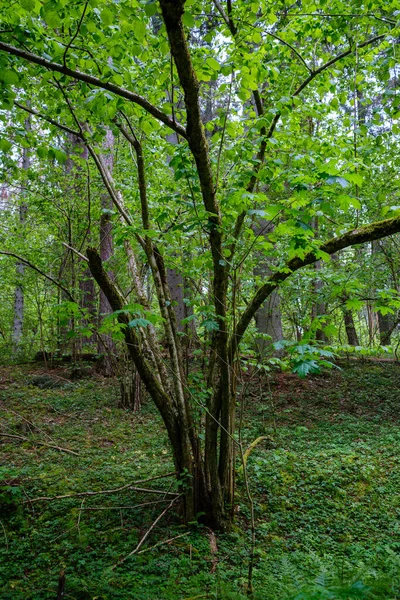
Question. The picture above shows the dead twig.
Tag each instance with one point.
(164, 542)
(126, 507)
(130, 486)
(146, 535)
(38, 443)
(79, 518)
(5, 534)
(214, 550)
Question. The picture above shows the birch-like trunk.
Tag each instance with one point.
(19, 298)
(268, 317)
(106, 346)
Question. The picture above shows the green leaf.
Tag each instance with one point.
(355, 178)
(385, 310)
(210, 325)
(150, 9)
(107, 17)
(305, 367)
(51, 15)
(330, 330)
(140, 30)
(139, 322)
(334, 103)
(5, 145)
(213, 64)
(188, 20)
(346, 201)
(28, 5)
(42, 152)
(9, 77)
(60, 155)
(353, 304)
(281, 344)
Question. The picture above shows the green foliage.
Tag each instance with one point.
(303, 358)
(325, 489)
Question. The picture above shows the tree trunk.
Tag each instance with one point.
(268, 317)
(130, 389)
(19, 299)
(385, 323)
(176, 288)
(319, 307)
(106, 345)
(350, 327)
(199, 496)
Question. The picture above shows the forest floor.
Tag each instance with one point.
(325, 483)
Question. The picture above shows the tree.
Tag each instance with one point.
(80, 63)
(19, 290)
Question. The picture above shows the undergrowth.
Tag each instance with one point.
(325, 483)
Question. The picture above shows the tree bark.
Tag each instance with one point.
(319, 306)
(350, 327)
(19, 299)
(268, 317)
(106, 346)
(182, 436)
(386, 326)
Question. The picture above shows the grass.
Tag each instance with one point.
(325, 483)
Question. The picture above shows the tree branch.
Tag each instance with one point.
(32, 266)
(101, 167)
(105, 85)
(48, 119)
(75, 34)
(368, 233)
(140, 544)
(293, 49)
(81, 256)
(172, 12)
(322, 68)
(156, 263)
(146, 369)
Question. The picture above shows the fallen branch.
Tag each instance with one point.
(37, 442)
(146, 535)
(126, 507)
(165, 542)
(214, 550)
(130, 486)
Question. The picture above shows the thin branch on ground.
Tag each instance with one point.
(165, 542)
(130, 486)
(94, 508)
(146, 535)
(38, 443)
(5, 534)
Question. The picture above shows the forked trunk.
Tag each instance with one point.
(199, 478)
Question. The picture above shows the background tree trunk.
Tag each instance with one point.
(106, 346)
(350, 327)
(19, 300)
(268, 317)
